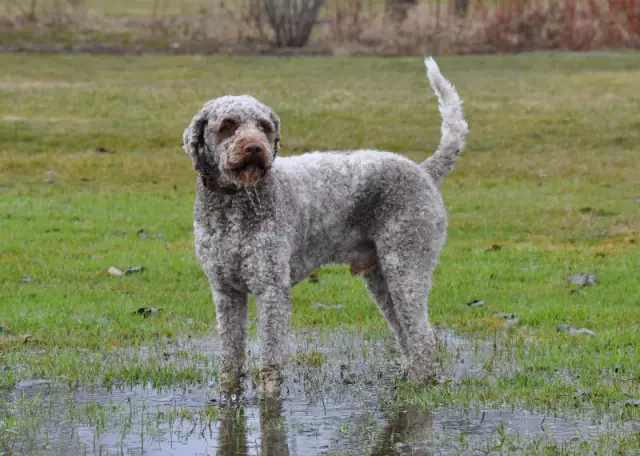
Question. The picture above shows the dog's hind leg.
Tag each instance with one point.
(377, 287)
(409, 292)
(408, 274)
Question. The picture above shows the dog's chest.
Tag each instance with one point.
(227, 243)
(220, 248)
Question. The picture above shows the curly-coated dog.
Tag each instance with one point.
(264, 224)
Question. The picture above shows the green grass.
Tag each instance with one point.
(550, 175)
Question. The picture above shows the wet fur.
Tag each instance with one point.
(265, 231)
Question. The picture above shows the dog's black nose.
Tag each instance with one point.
(253, 149)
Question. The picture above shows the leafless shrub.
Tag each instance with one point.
(399, 9)
(291, 21)
(49, 13)
(346, 19)
(461, 7)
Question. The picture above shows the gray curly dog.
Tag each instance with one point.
(264, 224)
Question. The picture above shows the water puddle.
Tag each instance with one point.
(338, 401)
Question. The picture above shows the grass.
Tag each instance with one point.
(90, 155)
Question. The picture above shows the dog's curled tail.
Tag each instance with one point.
(454, 127)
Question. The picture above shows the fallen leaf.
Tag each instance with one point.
(142, 233)
(147, 311)
(597, 212)
(475, 303)
(133, 269)
(582, 279)
(573, 331)
(319, 305)
(102, 150)
(31, 383)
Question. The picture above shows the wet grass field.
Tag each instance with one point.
(92, 176)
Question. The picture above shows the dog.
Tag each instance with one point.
(263, 223)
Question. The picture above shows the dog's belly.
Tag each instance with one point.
(320, 251)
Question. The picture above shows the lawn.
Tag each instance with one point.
(92, 175)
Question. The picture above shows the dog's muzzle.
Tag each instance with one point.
(249, 163)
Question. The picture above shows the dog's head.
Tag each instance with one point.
(236, 136)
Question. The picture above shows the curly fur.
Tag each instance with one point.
(264, 224)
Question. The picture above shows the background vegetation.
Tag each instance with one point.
(339, 27)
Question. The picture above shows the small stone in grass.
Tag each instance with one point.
(26, 279)
(114, 271)
(475, 303)
(582, 279)
(573, 331)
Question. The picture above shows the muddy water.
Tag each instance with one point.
(342, 406)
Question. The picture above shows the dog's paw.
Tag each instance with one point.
(232, 383)
(271, 380)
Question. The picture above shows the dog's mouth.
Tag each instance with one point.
(248, 171)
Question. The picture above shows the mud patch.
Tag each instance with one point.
(339, 400)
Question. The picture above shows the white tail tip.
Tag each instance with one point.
(431, 64)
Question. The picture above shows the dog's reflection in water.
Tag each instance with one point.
(273, 430)
(405, 426)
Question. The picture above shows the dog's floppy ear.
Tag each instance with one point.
(276, 123)
(193, 138)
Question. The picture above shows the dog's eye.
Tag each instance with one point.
(227, 126)
(266, 127)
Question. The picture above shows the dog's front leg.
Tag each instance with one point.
(231, 317)
(274, 308)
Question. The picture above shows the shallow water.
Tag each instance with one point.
(344, 406)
